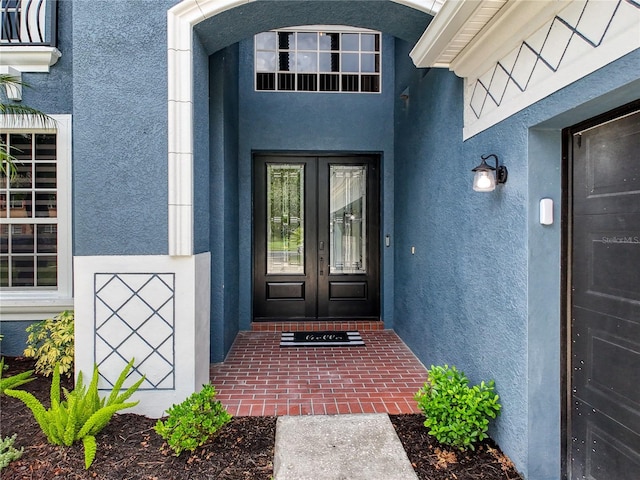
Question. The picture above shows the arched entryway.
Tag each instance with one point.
(223, 22)
(206, 136)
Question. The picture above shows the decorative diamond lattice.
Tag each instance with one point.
(580, 27)
(135, 318)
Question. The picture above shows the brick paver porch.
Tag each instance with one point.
(260, 378)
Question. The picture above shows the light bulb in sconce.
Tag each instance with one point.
(487, 177)
(484, 182)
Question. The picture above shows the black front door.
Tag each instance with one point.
(316, 238)
(604, 420)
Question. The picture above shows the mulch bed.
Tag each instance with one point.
(128, 448)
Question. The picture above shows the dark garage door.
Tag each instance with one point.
(604, 274)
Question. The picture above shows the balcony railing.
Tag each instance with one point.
(28, 23)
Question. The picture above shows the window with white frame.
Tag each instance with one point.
(35, 213)
(318, 59)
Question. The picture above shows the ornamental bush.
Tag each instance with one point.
(457, 414)
(50, 342)
(191, 423)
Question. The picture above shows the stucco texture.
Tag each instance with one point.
(120, 127)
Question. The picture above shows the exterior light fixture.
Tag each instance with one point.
(486, 177)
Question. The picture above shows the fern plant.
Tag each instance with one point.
(13, 381)
(9, 453)
(51, 343)
(82, 414)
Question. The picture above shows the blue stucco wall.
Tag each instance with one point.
(224, 200)
(120, 127)
(201, 150)
(15, 337)
(233, 216)
(483, 288)
(309, 122)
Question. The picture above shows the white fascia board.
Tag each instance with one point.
(513, 24)
(29, 59)
(442, 31)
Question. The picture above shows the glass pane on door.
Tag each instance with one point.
(285, 218)
(348, 217)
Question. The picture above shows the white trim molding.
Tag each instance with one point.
(428, 6)
(181, 18)
(512, 54)
(29, 58)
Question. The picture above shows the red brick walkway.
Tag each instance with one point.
(260, 378)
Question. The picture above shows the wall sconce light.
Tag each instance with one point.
(486, 177)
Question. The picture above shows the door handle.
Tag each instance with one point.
(321, 265)
(321, 245)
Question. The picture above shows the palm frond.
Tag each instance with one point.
(7, 162)
(17, 115)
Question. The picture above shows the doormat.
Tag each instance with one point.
(321, 339)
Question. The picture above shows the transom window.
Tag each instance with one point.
(318, 59)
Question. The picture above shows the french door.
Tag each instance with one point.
(316, 238)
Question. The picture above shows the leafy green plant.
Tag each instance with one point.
(9, 453)
(13, 381)
(82, 414)
(191, 423)
(457, 414)
(51, 343)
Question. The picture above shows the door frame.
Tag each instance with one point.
(377, 255)
(565, 274)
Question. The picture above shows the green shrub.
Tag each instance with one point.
(8, 453)
(82, 414)
(190, 424)
(456, 414)
(13, 381)
(51, 343)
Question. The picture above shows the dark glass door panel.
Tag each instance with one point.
(316, 247)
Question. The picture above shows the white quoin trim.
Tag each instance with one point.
(180, 22)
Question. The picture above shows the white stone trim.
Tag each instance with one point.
(35, 304)
(191, 297)
(428, 6)
(29, 59)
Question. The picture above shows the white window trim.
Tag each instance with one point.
(27, 304)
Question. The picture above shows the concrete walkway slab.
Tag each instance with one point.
(339, 447)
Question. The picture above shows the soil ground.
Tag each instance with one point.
(129, 448)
